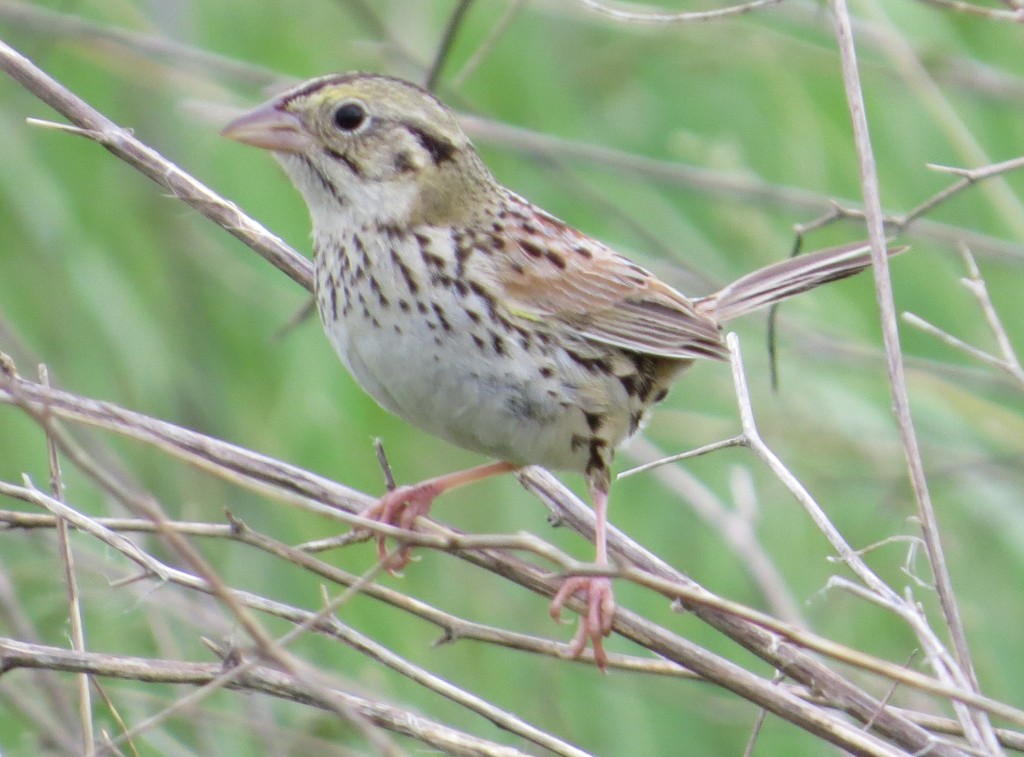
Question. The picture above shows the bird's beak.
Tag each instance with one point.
(269, 127)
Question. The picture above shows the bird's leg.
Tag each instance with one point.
(403, 505)
(596, 622)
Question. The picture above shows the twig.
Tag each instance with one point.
(938, 724)
(969, 349)
(697, 597)
(274, 650)
(736, 441)
(762, 715)
(730, 185)
(71, 584)
(28, 493)
(770, 647)
(753, 440)
(975, 284)
(148, 506)
(17, 654)
(321, 622)
(444, 47)
(737, 529)
(496, 32)
(654, 17)
(459, 629)
(150, 163)
(894, 363)
(946, 115)
(993, 14)
(453, 628)
(876, 591)
(307, 681)
(385, 466)
(892, 689)
(42, 698)
(895, 224)
(782, 655)
(112, 709)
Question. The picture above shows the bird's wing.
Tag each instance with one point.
(548, 270)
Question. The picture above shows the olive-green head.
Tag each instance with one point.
(376, 146)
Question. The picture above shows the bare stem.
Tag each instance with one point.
(894, 363)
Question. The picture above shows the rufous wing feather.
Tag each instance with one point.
(553, 271)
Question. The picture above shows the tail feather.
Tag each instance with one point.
(792, 276)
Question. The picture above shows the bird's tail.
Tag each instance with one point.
(792, 276)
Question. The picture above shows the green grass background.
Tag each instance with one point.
(129, 296)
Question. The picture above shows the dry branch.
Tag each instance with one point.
(16, 655)
(300, 487)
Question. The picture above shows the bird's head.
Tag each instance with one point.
(369, 148)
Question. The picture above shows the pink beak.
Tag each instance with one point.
(270, 128)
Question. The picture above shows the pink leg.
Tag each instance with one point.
(596, 622)
(402, 506)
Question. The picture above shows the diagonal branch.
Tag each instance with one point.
(94, 125)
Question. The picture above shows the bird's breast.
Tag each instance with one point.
(434, 346)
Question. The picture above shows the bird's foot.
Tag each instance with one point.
(596, 622)
(400, 507)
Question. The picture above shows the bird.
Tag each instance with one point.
(478, 317)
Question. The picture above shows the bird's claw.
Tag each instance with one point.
(596, 622)
(400, 508)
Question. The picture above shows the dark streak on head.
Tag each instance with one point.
(331, 80)
(441, 150)
(404, 163)
(324, 180)
(342, 158)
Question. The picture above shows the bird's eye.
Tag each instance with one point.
(349, 116)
